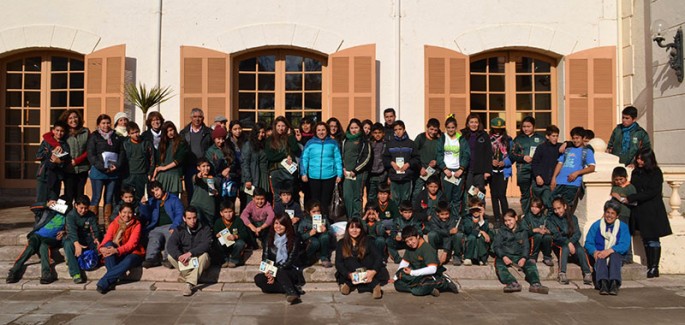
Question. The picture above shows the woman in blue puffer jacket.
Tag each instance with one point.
(321, 166)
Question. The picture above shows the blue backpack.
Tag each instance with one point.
(89, 260)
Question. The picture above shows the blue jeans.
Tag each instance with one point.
(116, 267)
(609, 269)
(97, 185)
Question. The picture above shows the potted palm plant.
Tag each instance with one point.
(145, 98)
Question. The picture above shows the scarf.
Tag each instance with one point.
(107, 135)
(499, 148)
(610, 236)
(121, 130)
(307, 135)
(625, 142)
(353, 137)
(156, 137)
(281, 241)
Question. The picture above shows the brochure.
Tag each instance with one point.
(192, 264)
(429, 172)
(400, 163)
(474, 191)
(359, 276)
(268, 267)
(224, 238)
(453, 180)
(317, 222)
(291, 168)
(249, 191)
(291, 213)
(532, 151)
(109, 158)
(210, 185)
(60, 206)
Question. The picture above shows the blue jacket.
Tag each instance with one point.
(594, 240)
(321, 159)
(150, 212)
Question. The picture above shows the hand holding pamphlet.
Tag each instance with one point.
(193, 263)
(291, 168)
(268, 267)
(429, 172)
(223, 240)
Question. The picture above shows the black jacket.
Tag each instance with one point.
(97, 145)
(372, 260)
(481, 153)
(184, 240)
(206, 142)
(649, 216)
(544, 161)
(269, 253)
(406, 149)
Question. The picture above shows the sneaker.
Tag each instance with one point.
(587, 279)
(225, 265)
(377, 292)
(48, 278)
(11, 278)
(562, 278)
(78, 279)
(188, 290)
(101, 290)
(151, 263)
(293, 299)
(456, 261)
(512, 287)
(548, 261)
(326, 263)
(451, 284)
(468, 262)
(167, 264)
(232, 265)
(538, 288)
(345, 289)
(435, 293)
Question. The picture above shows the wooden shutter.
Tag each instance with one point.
(446, 83)
(205, 83)
(104, 91)
(352, 75)
(591, 90)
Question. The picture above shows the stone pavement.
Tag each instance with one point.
(659, 301)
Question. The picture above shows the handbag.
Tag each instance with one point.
(89, 260)
(337, 212)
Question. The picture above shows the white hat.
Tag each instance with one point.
(120, 115)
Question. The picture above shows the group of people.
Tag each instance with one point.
(426, 196)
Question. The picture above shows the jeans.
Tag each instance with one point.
(609, 269)
(97, 185)
(116, 267)
(157, 239)
(73, 186)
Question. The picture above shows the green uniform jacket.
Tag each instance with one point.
(237, 226)
(77, 148)
(638, 139)
(522, 146)
(83, 229)
(254, 167)
(624, 192)
(375, 230)
(511, 243)
(424, 207)
(305, 226)
(559, 229)
(470, 228)
(391, 211)
(140, 157)
(275, 156)
(442, 228)
(531, 221)
(400, 223)
(464, 152)
(428, 149)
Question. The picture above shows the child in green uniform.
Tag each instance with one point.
(628, 137)
(426, 202)
(50, 173)
(476, 234)
(511, 249)
(388, 210)
(127, 196)
(374, 228)
(535, 222)
(140, 155)
(525, 146)
(394, 242)
(82, 234)
(427, 146)
(232, 255)
(442, 231)
(419, 271)
(566, 234)
(317, 239)
(205, 192)
(288, 206)
(620, 189)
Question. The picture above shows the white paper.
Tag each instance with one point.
(474, 191)
(60, 206)
(348, 175)
(429, 172)
(359, 277)
(210, 185)
(532, 151)
(317, 222)
(291, 213)
(109, 158)
(453, 180)
(192, 264)
(291, 168)
(223, 240)
(268, 267)
(60, 154)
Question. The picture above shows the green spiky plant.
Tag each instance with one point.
(145, 98)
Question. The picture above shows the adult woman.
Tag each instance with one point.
(356, 156)
(480, 164)
(255, 166)
(120, 122)
(281, 146)
(501, 146)
(321, 167)
(154, 128)
(649, 216)
(356, 251)
(607, 241)
(453, 158)
(366, 128)
(522, 152)
(335, 129)
(305, 132)
(282, 248)
(120, 248)
(106, 155)
(170, 156)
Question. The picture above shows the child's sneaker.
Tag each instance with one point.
(548, 261)
(512, 287)
(468, 262)
(562, 278)
(435, 293)
(538, 288)
(11, 277)
(587, 279)
(456, 261)
(78, 279)
(451, 284)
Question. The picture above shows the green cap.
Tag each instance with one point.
(497, 123)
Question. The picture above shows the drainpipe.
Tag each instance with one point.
(159, 46)
(398, 57)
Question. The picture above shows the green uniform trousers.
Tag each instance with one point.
(401, 191)
(70, 256)
(529, 269)
(352, 194)
(37, 245)
(539, 243)
(420, 285)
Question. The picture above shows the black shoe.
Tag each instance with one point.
(451, 284)
(603, 287)
(293, 299)
(48, 278)
(101, 290)
(151, 263)
(12, 277)
(655, 253)
(299, 290)
(613, 287)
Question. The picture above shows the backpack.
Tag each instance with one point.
(89, 260)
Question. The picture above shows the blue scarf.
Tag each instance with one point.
(281, 243)
(625, 142)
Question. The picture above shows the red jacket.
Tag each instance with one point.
(130, 241)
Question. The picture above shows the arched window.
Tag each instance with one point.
(279, 82)
(512, 85)
(35, 88)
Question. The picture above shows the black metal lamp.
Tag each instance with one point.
(676, 48)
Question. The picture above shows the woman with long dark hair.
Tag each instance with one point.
(281, 145)
(171, 153)
(649, 216)
(103, 144)
(357, 251)
(335, 129)
(321, 167)
(356, 157)
(480, 164)
(282, 249)
(255, 165)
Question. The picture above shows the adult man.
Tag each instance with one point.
(199, 138)
(160, 217)
(221, 121)
(188, 249)
(389, 116)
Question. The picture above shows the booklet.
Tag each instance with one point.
(109, 158)
(210, 185)
(453, 180)
(291, 213)
(532, 151)
(60, 206)
(348, 175)
(400, 163)
(192, 264)
(317, 222)
(291, 168)
(60, 154)
(429, 172)
(223, 240)
(359, 276)
(474, 191)
(268, 267)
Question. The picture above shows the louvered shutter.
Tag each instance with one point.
(205, 83)
(352, 75)
(104, 91)
(446, 77)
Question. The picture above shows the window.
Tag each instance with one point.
(274, 83)
(512, 85)
(36, 89)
